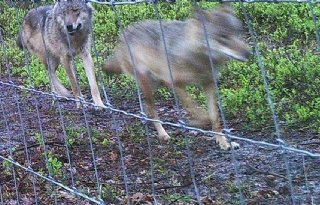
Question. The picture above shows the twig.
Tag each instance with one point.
(37, 145)
(266, 172)
(309, 143)
(174, 186)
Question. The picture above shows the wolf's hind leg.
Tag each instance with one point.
(147, 89)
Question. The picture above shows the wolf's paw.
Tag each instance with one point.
(164, 137)
(65, 94)
(61, 91)
(199, 122)
(99, 106)
(235, 145)
(78, 104)
(98, 103)
(225, 145)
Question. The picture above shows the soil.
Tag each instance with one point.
(123, 144)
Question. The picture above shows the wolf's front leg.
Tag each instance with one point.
(89, 69)
(56, 85)
(70, 70)
(214, 116)
(199, 117)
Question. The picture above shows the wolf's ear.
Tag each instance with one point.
(197, 12)
(200, 14)
(61, 0)
(226, 8)
(88, 3)
(207, 14)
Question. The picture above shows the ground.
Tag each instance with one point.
(261, 170)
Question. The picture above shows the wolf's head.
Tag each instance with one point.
(73, 15)
(224, 32)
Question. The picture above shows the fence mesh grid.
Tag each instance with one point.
(53, 153)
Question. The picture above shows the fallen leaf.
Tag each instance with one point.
(139, 198)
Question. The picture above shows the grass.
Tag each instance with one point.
(286, 36)
(54, 165)
(74, 134)
(177, 199)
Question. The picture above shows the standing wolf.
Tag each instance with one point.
(188, 56)
(47, 31)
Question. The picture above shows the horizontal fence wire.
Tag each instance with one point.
(115, 2)
(280, 144)
(51, 180)
(210, 133)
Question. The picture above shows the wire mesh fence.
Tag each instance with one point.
(56, 152)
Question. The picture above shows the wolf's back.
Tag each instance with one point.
(149, 33)
(33, 22)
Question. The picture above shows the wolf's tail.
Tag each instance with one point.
(112, 67)
(19, 40)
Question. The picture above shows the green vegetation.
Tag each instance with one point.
(136, 131)
(74, 134)
(54, 165)
(109, 194)
(286, 35)
(6, 167)
(177, 198)
(234, 190)
(39, 138)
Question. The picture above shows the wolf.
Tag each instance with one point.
(187, 53)
(56, 34)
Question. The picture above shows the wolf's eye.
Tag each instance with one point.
(224, 39)
(76, 11)
(223, 36)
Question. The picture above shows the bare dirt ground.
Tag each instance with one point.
(262, 172)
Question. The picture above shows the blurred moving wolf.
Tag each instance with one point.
(189, 60)
(47, 30)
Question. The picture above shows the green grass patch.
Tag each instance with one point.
(286, 35)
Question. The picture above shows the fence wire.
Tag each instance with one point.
(70, 183)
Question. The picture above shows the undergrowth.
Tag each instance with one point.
(286, 35)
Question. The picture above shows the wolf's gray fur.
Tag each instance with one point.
(47, 30)
(188, 57)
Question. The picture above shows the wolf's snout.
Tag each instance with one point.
(71, 28)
